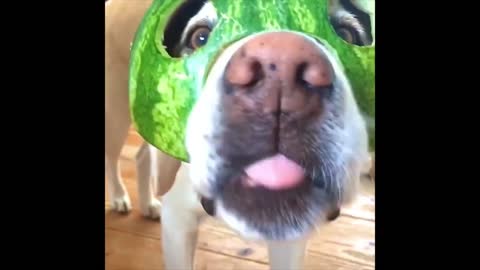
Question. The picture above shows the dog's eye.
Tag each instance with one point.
(350, 23)
(347, 34)
(199, 37)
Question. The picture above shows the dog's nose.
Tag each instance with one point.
(282, 67)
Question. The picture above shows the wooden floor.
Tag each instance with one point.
(133, 242)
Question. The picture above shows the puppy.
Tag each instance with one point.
(272, 167)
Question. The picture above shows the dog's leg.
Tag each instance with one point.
(117, 123)
(167, 168)
(156, 173)
(181, 213)
(146, 173)
(287, 255)
(115, 137)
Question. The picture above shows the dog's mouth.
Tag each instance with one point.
(273, 176)
(274, 173)
(275, 197)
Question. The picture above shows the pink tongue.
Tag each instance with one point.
(277, 172)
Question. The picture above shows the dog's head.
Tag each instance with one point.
(272, 127)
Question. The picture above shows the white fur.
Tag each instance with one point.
(354, 135)
(239, 225)
(204, 160)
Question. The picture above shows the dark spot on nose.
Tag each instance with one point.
(242, 52)
(272, 67)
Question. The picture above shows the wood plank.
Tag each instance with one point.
(124, 251)
(215, 240)
(344, 243)
(231, 250)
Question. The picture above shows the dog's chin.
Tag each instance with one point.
(259, 213)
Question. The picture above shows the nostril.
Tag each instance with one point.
(300, 75)
(244, 73)
(257, 71)
(313, 76)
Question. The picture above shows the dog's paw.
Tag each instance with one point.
(122, 204)
(152, 209)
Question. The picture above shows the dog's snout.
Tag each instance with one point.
(282, 68)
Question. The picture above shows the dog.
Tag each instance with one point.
(241, 143)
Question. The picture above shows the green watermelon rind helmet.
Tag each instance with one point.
(163, 89)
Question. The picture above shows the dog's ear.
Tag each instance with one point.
(177, 23)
